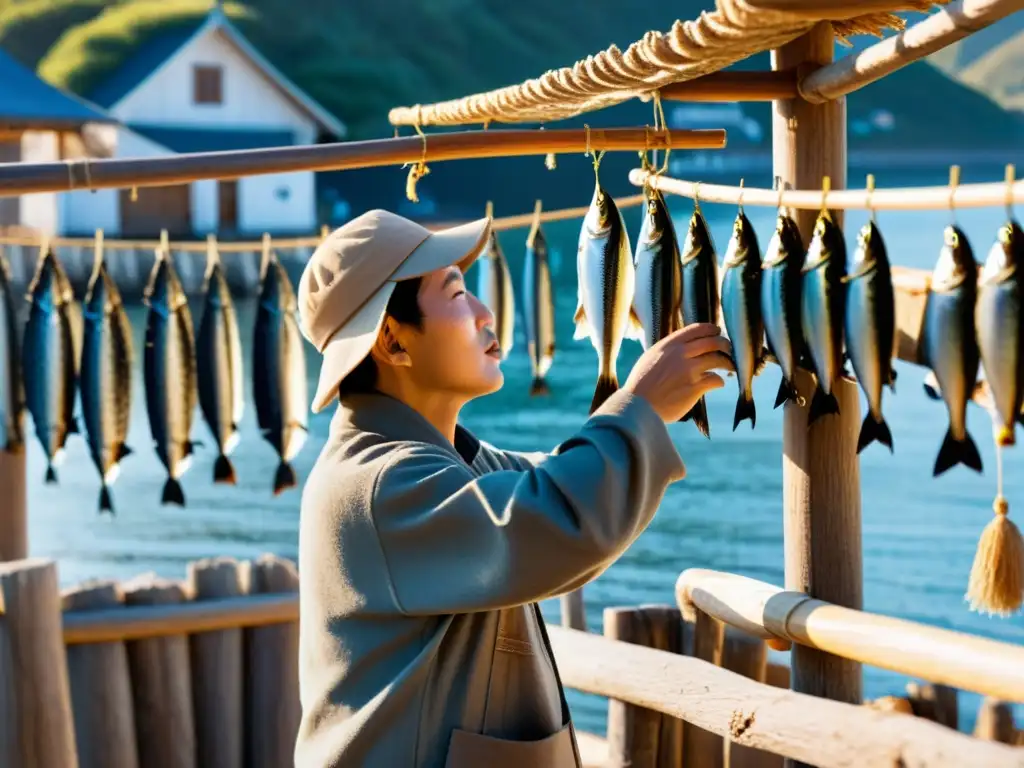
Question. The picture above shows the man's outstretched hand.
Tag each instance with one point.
(677, 371)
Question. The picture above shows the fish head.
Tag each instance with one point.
(742, 243)
(869, 254)
(96, 299)
(1005, 254)
(955, 262)
(598, 221)
(826, 242)
(45, 280)
(698, 239)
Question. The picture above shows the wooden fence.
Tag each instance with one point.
(203, 672)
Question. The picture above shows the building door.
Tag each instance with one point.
(227, 192)
(10, 152)
(157, 208)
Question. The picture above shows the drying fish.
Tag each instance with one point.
(822, 311)
(494, 289)
(539, 310)
(219, 368)
(169, 369)
(279, 371)
(12, 391)
(870, 329)
(1000, 321)
(658, 295)
(949, 347)
(700, 301)
(106, 378)
(741, 310)
(781, 282)
(48, 361)
(604, 313)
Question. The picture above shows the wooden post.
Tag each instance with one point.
(216, 659)
(632, 731)
(748, 656)
(574, 615)
(821, 471)
(101, 688)
(995, 722)
(935, 702)
(37, 665)
(161, 684)
(665, 626)
(13, 507)
(272, 709)
(701, 748)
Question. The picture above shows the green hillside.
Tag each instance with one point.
(361, 58)
(1000, 73)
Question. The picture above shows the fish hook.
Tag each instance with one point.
(1010, 173)
(739, 198)
(954, 180)
(870, 188)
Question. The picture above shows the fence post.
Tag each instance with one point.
(935, 702)
(748, 656)
(632, 731)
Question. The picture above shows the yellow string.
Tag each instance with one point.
(870, 187)
(549, 159)
(954, 180)
(826, 186)
(420, 169)
(739, 198)
(1010, 173)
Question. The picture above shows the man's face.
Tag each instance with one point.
(456, 349)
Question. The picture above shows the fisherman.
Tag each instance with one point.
(424, 551)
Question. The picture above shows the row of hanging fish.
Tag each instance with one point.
(180, 367)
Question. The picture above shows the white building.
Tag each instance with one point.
(201, 89)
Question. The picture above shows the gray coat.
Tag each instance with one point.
(421, 643)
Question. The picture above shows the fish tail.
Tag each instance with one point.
(173, 494)
(285, 478)
(955, 452)
(744, 410)
(223, 471)
(873, 430)
(106, 505)
(786, 392)
(539, 387)
(607, 385)
(699, 415)
(51, 475)
(821, 404)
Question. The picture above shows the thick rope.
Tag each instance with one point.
(718, 38)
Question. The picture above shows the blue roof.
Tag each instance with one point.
(183, 140)
(30, 102)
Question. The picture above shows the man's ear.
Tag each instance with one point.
(388, 349)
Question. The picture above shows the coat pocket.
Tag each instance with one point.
(473, 750)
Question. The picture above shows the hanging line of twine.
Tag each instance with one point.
(418, 170)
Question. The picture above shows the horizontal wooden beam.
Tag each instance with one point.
(951, 23)
(25, 178)
(833, 10)
(817, 731)
(938, 655)
(734, 86)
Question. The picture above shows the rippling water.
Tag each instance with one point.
(919, 533)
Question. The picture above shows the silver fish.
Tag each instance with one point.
(781, 282)
(48, 361)
(701, 302)
(741, 310)
(949, 347)
(539, 310)
(106, 378)
(822, 312)
(606, 278)
(658, 294)
(870, 329)
(494, 289)
(1000, 327)
(12, 390)
(279, 371)
(219, 368)
(169, 368)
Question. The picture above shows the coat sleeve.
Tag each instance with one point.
(458, 543)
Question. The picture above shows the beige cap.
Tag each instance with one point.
(345, 287)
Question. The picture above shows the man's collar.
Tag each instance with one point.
(389, 416)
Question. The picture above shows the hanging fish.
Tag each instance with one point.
(12, 391)
(494, 289)
(700, 294)
(219, 367)
(658, 295)
(169, 367)
(871, 329)
(48, 361)
(781, 283)
(822, 312)
(604, 313)
(106, 378)
(741, 310)
(1000, 321)
(949, 346)
(539, 310)
(279, 371)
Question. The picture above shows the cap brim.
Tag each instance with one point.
(350, 345)
(456, 246)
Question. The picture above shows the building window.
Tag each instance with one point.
(207, 85)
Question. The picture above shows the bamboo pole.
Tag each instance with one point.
(733, 86)
(811, 197)
(917, 650)
(820, 468)
(953, 22)
(25, 178)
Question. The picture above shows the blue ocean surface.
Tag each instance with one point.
(919, 532)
